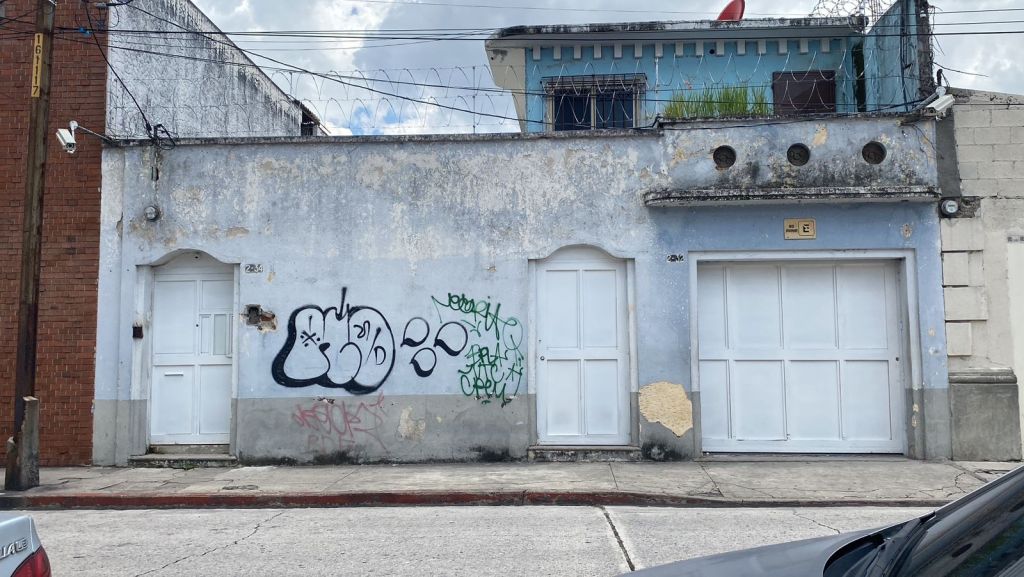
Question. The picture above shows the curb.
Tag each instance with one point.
(417, 499)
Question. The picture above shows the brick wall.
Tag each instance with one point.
(67, 304)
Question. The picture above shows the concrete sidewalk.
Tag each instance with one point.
(722, 482)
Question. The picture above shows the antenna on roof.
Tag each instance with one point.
(734, 11)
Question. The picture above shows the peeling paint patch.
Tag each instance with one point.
(236, 231)
(409, 428)
(668, 404)
(820, 135)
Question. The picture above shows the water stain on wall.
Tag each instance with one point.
(668, 404)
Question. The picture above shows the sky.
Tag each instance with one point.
(985, 62)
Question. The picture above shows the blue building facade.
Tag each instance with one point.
(630, 75)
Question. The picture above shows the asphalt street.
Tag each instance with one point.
(419, 541)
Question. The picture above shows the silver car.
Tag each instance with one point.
(21, 553)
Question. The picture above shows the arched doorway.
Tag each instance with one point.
(191, 351)
(582, 348)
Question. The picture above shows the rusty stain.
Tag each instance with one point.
(908, 230)
(236, 231)
(668, 404)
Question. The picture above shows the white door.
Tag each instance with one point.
(800, 357)
(193, 300)
(582, 349)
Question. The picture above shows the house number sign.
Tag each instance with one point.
(800, 229)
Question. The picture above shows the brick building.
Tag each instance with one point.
(83, 90)
(67, 297)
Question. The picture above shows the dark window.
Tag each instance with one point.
(593, 102)
(810, 92)
(572, 111)
(615, 109)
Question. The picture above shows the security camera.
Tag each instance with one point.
(940, 106)
(67, 140)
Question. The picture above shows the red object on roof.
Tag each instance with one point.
(734, 11)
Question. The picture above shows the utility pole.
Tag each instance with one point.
(23, 449)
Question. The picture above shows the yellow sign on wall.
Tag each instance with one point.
(37, 65)
(801, 229)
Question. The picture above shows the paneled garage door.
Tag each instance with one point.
(799, 357)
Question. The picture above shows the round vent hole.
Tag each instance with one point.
(798, 155)
(724, 157)
(874, 152)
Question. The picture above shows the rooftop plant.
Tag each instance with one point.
(719, 102)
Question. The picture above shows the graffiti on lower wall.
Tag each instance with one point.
(354, 347)
(494, 364)
(336, 424)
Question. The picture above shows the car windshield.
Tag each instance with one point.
(981, 535)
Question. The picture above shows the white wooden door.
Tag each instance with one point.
(193, 300)
(582, 349)
(800, 357)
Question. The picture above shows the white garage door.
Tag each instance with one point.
(799, 357)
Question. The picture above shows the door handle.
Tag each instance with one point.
(174, 374)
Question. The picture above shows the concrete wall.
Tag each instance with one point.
(445, 229)
(195, 85)
(981, 265)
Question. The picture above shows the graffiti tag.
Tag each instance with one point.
(353, 348)
(494, 367)
(335, 424)
(348, 347)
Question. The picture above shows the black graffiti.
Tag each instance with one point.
(451, 338)
(347, 347)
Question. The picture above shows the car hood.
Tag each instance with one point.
(796, 559)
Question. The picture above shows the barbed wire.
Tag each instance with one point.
(873, 9)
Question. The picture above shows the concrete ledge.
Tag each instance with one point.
(422, 499)
(702, 197)
(985, 409)
(983, 376)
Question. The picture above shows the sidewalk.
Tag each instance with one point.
(750, 482)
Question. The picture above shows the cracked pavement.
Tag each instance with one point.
(415, 541)
(823, 481)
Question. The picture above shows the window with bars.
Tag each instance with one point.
(594, 102)
(808, 92)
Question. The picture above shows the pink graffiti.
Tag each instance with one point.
(336, 424)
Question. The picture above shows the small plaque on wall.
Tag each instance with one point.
(800, 229)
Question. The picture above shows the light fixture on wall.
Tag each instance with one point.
(949, 207)
(152, 213)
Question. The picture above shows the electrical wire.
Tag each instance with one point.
(158, 134)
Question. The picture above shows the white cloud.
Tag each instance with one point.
(463, 63)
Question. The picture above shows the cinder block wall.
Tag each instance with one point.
(983, 273)
(67, 306)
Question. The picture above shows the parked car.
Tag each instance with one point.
(978, 535)
(21, 553)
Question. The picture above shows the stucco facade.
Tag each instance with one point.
(411, 236)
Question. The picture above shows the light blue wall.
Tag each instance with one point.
(890, 75)
(402, 223)
(665, 287)
(891, 59)
(673, 74)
